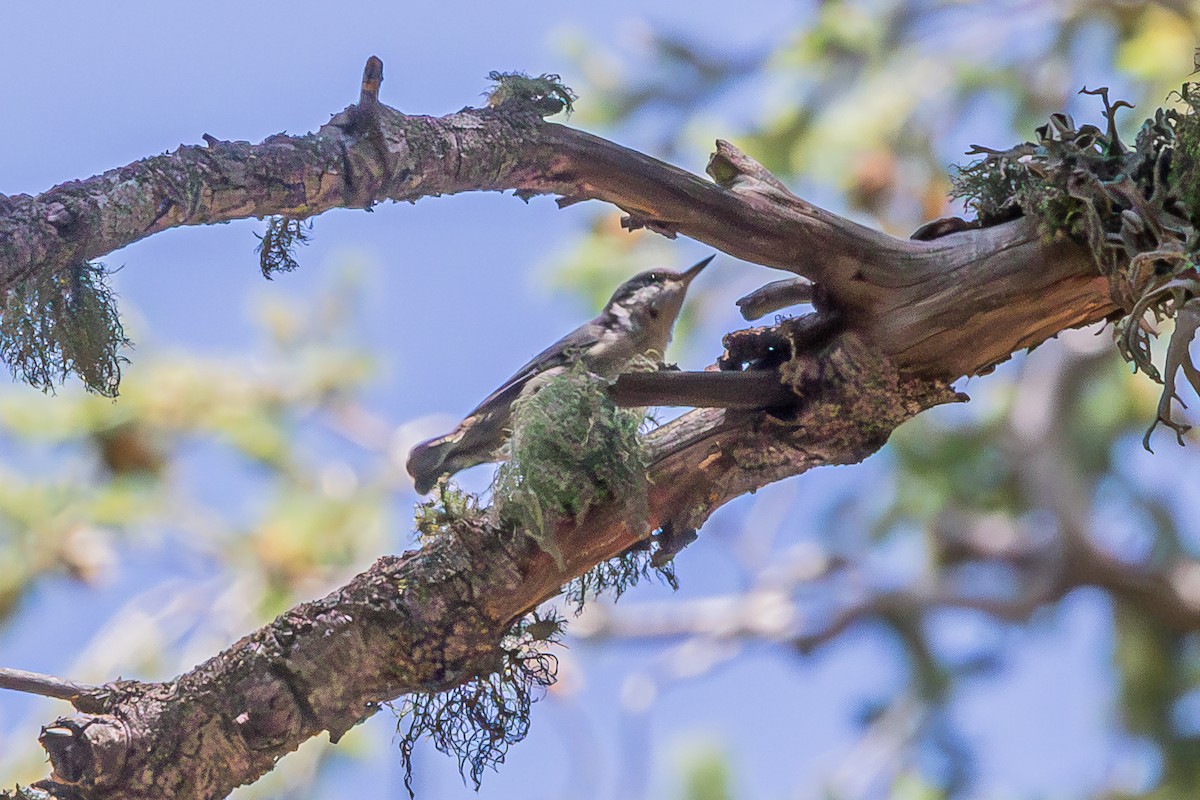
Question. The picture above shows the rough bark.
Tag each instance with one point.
(431, 619)
(899, 320)
(952, 306)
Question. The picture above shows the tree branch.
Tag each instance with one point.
(907, 316)
(431, 620)
(951, 306)
(18, 680)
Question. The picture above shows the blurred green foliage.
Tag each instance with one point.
(706, 776)
(862, 105)
(85, 482)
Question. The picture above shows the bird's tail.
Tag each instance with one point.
(474, 441)
(426, 461)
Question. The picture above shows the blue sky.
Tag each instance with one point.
(90, 86)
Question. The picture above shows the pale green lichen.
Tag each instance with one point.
(64, 323)
(1136, 209)
(571, 449)
(546, 94)
(446, 512)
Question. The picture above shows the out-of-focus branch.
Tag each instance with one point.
(1052, 480)
(1046, 573)
(775, 615)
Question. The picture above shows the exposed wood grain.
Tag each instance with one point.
(900, 319)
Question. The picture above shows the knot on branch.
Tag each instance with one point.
(270, 713)
(849, 396)
(853, 394)
(732, 169)
(1136, 209)
(86, 754)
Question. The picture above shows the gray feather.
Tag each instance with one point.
(636, 320)
(475, 440)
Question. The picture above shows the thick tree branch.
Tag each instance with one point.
(942, 308)
(903, 317)
(431, 619)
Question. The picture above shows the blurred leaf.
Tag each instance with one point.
(706, 776)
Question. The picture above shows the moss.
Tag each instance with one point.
(545, 94)
(478, 721)
(1066, 179)
(445, 513)
(1185, 170)
(571, 449)
(1136, 209)
(55, 325)
(617, 575)
(277, 245)
(991, 190)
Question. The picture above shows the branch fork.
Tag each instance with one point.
(897, 321)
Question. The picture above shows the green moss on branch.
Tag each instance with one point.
(56, 325)
(1136, 209)
(546, 94)
(571, 449)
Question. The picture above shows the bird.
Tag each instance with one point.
(636, 321)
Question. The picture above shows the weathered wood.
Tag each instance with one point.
(900, 319)
(431, 619)
(952, 306)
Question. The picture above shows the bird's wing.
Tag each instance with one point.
(558, 354)
(475, 439)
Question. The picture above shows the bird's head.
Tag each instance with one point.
(654, 297)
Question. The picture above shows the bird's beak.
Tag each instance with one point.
(694, 271)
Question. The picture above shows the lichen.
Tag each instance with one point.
(1136, 209)
(546, 94)
(64, 323)
(25, 793)
(617, 575)
(1185, 171)
(478, 721)
(571, 449)
(277, 244)
(445, 512)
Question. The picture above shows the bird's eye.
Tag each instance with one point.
(653, 276)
